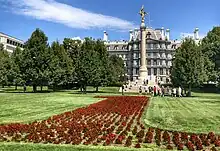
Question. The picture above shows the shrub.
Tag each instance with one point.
(137, 145)
(169, 147)
(180, 146)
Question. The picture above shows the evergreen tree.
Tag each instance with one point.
(188, 68)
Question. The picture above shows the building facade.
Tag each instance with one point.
(10, 43)
(160, 50)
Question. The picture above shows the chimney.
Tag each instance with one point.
(130, 35)
(168, 34)
(105, 38)
(162, 33)
(196, 34)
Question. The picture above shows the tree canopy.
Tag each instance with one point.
(71, 63)
(188, 68)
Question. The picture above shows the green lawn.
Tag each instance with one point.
(197, 114)
(51, 147)
(16, 106)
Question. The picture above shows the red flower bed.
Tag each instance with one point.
(115, 120)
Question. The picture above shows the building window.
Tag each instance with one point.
(116, 48)
(8, 41)
(137, 70)
(135, 62)
(135, 55)
(155, 62)
(149, 62)
(161, 71)
(149, 71)
(155, 71)
(168, 71)
(126, 56)
(124, 47)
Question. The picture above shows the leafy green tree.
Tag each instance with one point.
(36, 60)
(73, 47)
(116, 70)
(188, 68)
(61, 66)
(16, 64)
(87, 65)
(5, 66)
(211, 48)
(103, 64)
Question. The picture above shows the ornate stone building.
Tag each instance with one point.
(160, 50)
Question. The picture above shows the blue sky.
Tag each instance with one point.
(73, 18)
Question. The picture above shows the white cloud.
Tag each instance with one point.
(76, 38)
(53, 11)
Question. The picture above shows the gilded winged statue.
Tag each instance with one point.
(142, 13)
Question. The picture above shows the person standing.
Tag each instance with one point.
(174, 92)
(140, 90)
(25, 88)
(155, 91)
(180, 92)
(163, 91)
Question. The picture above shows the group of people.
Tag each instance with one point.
(161, 91)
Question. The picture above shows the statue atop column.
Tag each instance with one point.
(143, 14)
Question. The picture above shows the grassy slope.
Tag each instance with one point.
(197, 114)
(27, 107)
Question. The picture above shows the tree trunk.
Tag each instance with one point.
(84, 89)
(97, 89)
(34, 88)
(189, 92)
(54, 88)
(81, 89)
(41, 88)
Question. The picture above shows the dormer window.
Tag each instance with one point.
(116, 48)
(108, 47)
(124, 47)
(148, 35)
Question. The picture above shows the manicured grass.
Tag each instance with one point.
(197, 114)
(51, 147)
(16, 106)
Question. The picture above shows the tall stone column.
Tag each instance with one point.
(143, 67)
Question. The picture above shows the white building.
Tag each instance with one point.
(160, 51)
(10, 43)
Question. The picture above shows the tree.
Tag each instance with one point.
(61, 66)
(188, 68)
(211, 48)
(5, 66)
(103, 64)
(36, 60)
(16, 64)
(116, 70)
(87, 64)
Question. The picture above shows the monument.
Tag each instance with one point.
(143, 68)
